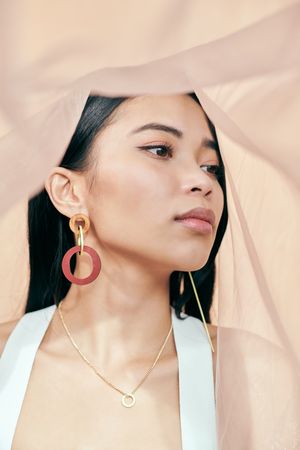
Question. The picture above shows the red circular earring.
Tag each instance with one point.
(84, 225)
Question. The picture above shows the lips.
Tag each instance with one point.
(198, 213)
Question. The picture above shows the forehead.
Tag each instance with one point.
(179, 111)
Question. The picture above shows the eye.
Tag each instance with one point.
(214, 169)
(162, 149)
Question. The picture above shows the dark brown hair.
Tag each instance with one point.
(50, 237)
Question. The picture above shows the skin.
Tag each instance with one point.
(131, 206)
(131, 197)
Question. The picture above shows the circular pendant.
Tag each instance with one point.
(125, 402)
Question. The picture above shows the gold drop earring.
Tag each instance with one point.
(199, 305)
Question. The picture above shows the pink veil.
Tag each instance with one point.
(243, 61)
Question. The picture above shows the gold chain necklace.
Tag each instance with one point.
(125, 395)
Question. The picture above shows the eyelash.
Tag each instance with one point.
(218, 171)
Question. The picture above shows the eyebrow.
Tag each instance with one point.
(206, 142)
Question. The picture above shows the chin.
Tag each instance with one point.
(192, 265)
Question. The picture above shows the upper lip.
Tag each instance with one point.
(199, 213)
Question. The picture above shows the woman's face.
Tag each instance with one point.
(137, 192)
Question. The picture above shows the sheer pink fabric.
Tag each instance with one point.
(243, 61)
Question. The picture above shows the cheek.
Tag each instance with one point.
(127, 200)
(219, 203)
(221, 200)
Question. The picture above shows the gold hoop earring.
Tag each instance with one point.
(79, 224)
(181, 285)
(181, 291)
(200, 309)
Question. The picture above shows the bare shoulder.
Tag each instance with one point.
(213, 330)
(6, 329)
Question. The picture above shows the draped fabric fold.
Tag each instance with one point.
(243, 63)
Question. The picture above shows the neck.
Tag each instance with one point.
(122, 318)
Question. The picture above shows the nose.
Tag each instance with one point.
(194, 178)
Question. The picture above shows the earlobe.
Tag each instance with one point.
(63, 189)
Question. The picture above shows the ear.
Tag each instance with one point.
(66, 191)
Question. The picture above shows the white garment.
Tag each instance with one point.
(196, 387)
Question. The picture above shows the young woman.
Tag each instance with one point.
(113, 351)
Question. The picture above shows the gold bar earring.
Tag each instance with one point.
(200, 309)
